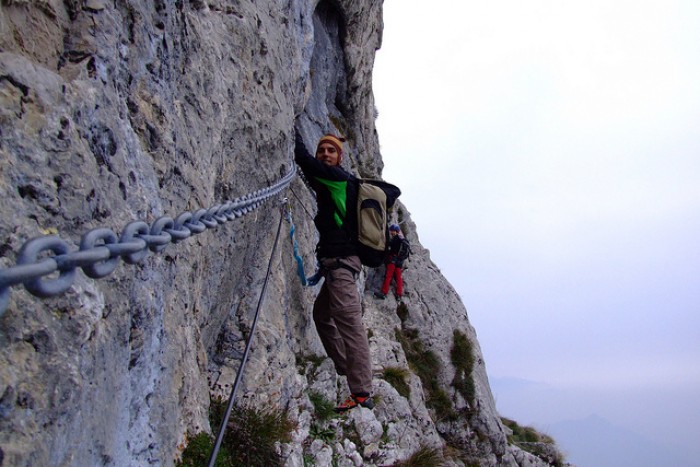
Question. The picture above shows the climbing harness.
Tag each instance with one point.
(100, 249)
(244, 359)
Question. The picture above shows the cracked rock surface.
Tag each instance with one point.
(113, 112)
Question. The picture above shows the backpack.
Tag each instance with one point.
(374, 199)
(404, 250)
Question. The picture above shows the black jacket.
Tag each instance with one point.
(336, 199)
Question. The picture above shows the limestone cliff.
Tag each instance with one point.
(113, 112)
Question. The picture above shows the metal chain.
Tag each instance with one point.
(100, 248)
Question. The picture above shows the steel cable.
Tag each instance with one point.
(244, 359)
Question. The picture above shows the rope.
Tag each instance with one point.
(295, 245)
(305, 281)
(229, 406)
(100, 248)
(318, 275)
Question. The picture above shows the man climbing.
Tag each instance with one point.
(337, 310)
(399, 249)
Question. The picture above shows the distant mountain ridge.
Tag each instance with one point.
(595, 442)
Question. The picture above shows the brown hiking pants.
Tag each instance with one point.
(338, 317)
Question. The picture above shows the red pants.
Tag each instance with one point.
(393, 272)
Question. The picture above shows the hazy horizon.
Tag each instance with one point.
(549, 154)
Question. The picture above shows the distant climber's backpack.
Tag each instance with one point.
(374, 199)
(404, 250)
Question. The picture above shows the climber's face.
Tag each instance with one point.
(328, 154)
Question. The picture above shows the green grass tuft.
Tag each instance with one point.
(402, 311)
(249, 439)
(426, 364)
(423, 457)
(314, 361)
(198, 450)
(396, 376)
(323, 408)
(534, 442)
(252, 432)
(462, 357)
(325, 434)
(521, 434)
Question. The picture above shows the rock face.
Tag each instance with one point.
(113, 112)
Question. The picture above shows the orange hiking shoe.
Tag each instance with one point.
(353, 401)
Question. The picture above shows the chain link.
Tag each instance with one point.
(100, 249)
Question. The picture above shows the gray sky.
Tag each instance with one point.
(549, 152)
